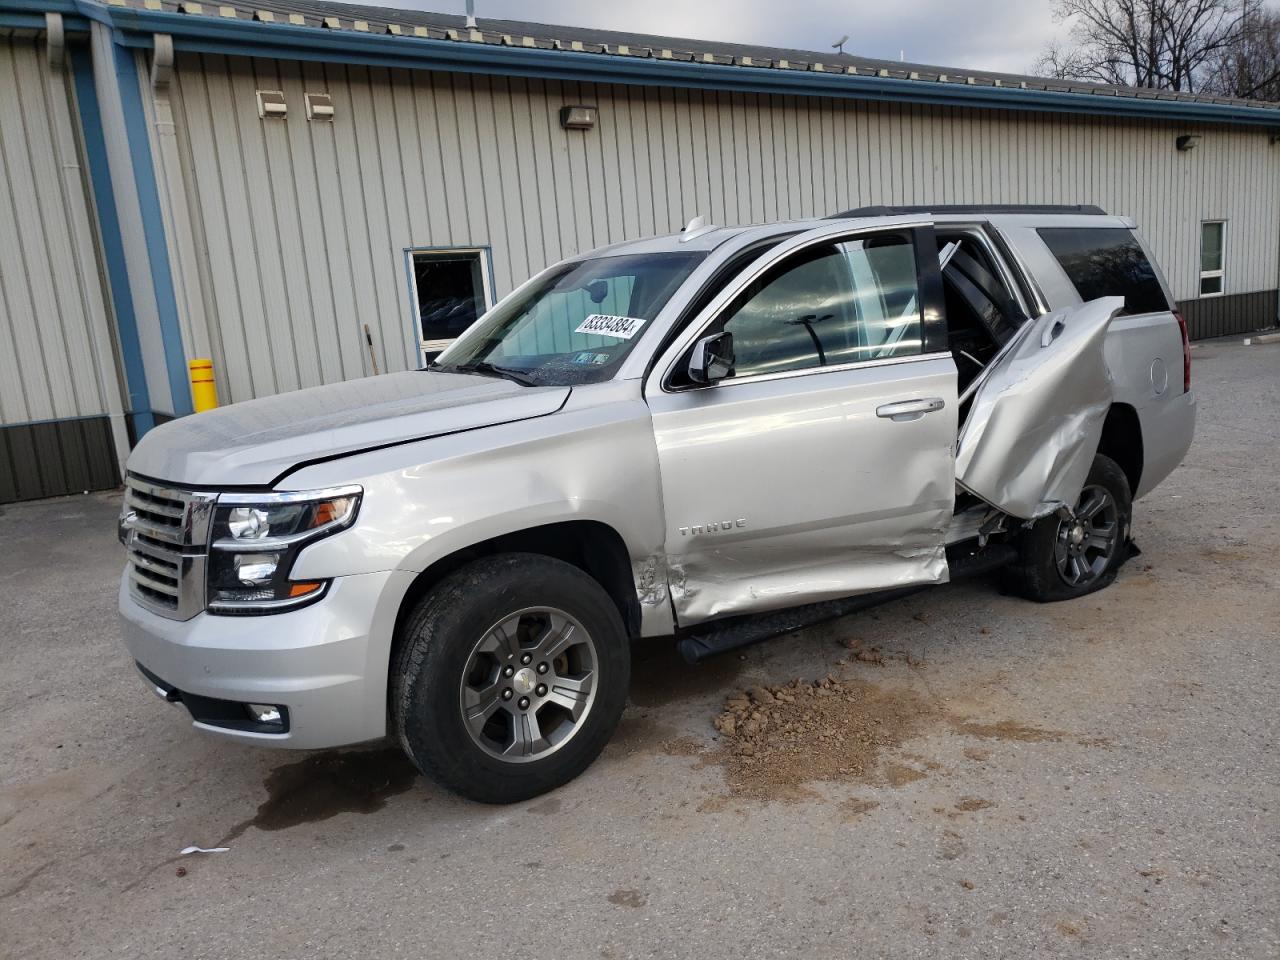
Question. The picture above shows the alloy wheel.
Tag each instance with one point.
(529, 684)
(1086, 542)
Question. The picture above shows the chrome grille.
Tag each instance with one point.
(166, 531)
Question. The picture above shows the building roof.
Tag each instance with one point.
(704, 51)
(345, 32)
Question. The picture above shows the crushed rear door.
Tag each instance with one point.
(1037, 413)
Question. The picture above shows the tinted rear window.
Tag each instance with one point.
(1106, 262)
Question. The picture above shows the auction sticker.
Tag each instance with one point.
(607, 325)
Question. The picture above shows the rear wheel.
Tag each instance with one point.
(510, 677)
(1061, 558)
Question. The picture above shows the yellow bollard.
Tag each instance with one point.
(204, 392)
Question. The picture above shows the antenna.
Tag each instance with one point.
(838, 46)
(471, 13)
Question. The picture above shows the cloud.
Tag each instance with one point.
(975, 34)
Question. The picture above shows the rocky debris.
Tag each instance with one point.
(876, 656)
(777, 739)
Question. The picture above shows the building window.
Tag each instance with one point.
(452, 289)
(1213, 247)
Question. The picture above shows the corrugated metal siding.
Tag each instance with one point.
(56, 458)
(1231, 314)
(49, 300)
(304, 224)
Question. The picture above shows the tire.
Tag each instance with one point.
(1040, 572)
(467, 692)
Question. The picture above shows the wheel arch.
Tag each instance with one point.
(592, 546)
(1122, 442)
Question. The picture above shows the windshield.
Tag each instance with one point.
(576, 324)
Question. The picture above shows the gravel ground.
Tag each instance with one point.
(1087, 779)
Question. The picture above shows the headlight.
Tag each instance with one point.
(257, 536)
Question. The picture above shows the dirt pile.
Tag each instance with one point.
(865, 653)
(777, 739)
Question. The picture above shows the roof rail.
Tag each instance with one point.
(1087, 209)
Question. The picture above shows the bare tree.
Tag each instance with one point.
(1250, 69)
(1143, 43)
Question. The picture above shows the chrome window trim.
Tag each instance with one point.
(832, 233)
(1041, 305)
(812, 371)
(978, 231)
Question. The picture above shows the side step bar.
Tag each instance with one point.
(720, 636)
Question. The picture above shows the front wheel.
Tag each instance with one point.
(1062, 558)
(509, 678)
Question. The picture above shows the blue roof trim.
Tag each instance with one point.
(206, 34)
(144, 176)
(22, 21)
(211, 34)
(95, 149)
(76, 14)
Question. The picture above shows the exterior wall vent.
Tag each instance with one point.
(319, 106)
(271, 105)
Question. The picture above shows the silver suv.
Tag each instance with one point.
(710, 437)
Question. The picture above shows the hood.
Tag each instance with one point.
(255, 442)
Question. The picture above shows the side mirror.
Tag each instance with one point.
(712, 358)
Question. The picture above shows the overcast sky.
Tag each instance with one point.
(1002, 35)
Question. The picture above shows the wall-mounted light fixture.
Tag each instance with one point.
(1188, 141)
(578, 117)
(319, 106)
(271, 105)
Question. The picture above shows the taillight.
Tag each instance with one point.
(1186, 354)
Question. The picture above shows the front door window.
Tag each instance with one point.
(833, 304)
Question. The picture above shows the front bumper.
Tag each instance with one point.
(326, 663)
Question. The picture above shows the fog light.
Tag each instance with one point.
(264, 713)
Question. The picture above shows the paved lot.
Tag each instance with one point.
(1095, 778)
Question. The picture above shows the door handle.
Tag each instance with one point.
(1053, 332)
(905, 411)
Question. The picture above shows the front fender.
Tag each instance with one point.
(423, 502)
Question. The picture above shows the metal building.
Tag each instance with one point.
(309, 192)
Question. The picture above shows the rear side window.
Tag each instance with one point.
(1106, 262)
